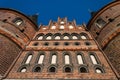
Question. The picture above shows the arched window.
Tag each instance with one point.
(18, 21)
(83, 70)
(28, 59)
(65, 37)
(84, 36)
(67, 59)
(54, 59)
(100, 23)
(80, 59)
(23, 69)
(57, 38)
(74, 37)
(93, 59)
(37, 69)
(68, 69)
(41, 58)
(48, 36)
(39, 36)
(52, 69)
(98, 70)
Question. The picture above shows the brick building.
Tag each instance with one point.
(62, 49)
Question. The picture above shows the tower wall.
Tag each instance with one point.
(105, 27)
(16, 30)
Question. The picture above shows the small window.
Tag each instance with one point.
(52, 69)
(46, 44)
(87, 43)
(56, 43)
(54, 59)
(66, 43)
(36, 44)
(40, 37)
(53, 27)
(65, 37)
(68, 69)
(44, 28)
(93, 58)
(61, 27)
(100, 23)
(28, 59)
(74, 37)
(18, 21)
(83, 70)
(23, 69)
(98, 70)
(70, 27)
(77, 43)
(83, 37)
(41, 58)
(48, 38)
(37, 69)
(118, 25)
(57, 37)
(62, 22)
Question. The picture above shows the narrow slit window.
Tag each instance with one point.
(28, 59)
(41, 58)
(80, 59)
(93, 59)
(67, 59)
(54, 59)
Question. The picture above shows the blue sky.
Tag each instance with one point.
(51, 9)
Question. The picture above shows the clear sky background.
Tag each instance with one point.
(51, 9)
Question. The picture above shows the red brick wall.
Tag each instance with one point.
(8, 52)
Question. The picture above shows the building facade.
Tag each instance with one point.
(60, 50)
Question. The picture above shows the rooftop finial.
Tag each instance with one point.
(91, 12)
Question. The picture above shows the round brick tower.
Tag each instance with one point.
(105, 27)
(16, 30)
